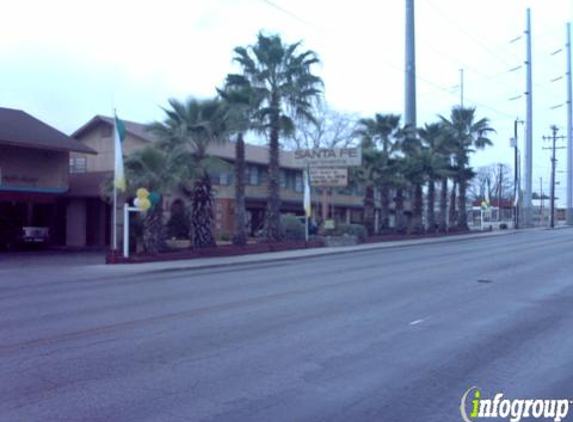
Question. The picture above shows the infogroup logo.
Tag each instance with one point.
(473, 407)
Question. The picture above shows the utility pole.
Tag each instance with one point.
(553, 138)
(410, 103)
(499, 192)
(516, 192)
(569, 132)
(529, 127)
(541, 196)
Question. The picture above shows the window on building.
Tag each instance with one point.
(224, 179)
(254, 176)
(283, 178)
(77, 164)
(298, 182)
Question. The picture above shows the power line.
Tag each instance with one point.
(462, 30)
(289, 13)
(426, 80)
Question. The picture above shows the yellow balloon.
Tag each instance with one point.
(144, 204)
(142, 193)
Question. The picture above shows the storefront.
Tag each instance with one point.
(34, 162)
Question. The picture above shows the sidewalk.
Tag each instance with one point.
(217, 262)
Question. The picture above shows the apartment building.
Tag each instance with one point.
(88, 173)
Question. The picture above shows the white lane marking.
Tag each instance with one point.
(418, 321)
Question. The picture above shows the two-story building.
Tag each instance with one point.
(34, 182)
(89, 173)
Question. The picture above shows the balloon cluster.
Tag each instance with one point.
(146, 200)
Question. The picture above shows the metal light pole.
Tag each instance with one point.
(516, 173)
(528, 176)
(569, 133)
(410, 100)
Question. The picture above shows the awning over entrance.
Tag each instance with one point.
(33, 195)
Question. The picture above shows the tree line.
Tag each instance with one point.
(275, 94)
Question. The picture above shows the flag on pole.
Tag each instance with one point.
(487, 200)
(307, 205)
(516, 197)
(119, 136)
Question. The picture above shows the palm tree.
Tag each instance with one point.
(153, 169)
(415, 165)
(438, 169)
(380, 131)
(239, 102)
(368, 175)
(284, 82)
(400, 183)
(186, 133)
(468, 135)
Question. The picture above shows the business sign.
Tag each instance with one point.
(328, 157)
(324, 176)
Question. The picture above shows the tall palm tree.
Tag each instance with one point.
(435, 140)
(415, 165)
(240, 103)
(283, 79)
(469, 134)
(400, 184)
(186, 133)
(155, 170)
(368, 176)
(381, 131)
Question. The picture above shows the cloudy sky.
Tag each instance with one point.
(65, 61)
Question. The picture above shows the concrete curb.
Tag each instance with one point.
(243, 260)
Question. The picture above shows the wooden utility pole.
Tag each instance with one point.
(553, 138)
(541, 197)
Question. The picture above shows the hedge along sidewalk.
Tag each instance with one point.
(240, 260)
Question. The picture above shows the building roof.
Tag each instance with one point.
(255, 154)
(18, 128)
(136, 129)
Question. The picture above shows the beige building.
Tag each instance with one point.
(88, 173)
(57, 182)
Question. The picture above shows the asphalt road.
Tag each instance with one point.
(388, 335)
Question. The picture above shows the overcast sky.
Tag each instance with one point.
(65, 61)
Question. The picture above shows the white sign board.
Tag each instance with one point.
(328, 157)
(324, 176)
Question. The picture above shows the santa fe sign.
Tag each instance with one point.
(328, 157)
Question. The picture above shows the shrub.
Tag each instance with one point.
(357, 230)
(293, 229)
(503, 226)
(224, 236)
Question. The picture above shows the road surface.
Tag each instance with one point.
(388, 335)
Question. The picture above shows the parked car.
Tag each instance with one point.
(35, 235)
